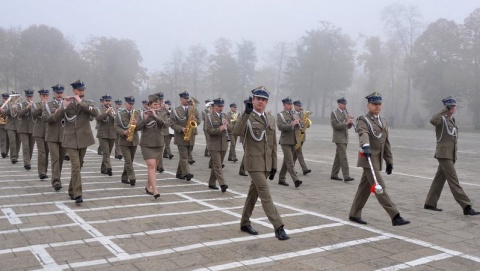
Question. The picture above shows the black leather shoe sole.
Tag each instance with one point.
(357, 220)
(470, 212)
(433, 208)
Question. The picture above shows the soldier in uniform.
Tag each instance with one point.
(11, 113)
(77, 135)
(54, 135)
(167, 136)
(25, 128)
(4, 146)
(123, 121)
(260, 160)
(205, 112)
(341, 122)
(118, 151)
(241, 170)
(161, 111)
(232, 117)
(216, 126)
(299, 152)
(106, 133)
(179, 118)
(373, 137)
(288, 123)
(39, 134)
(152, 139)
(446, 154)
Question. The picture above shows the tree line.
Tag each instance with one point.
(414, 66)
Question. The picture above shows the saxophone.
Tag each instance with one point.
(131, 126)
(190, 122)
(304, 124)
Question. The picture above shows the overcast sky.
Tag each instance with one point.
(158, 26)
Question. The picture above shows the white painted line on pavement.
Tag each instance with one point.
(44, 257)
(417, 262)
(11, 216)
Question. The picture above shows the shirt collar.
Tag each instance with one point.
(258, 113)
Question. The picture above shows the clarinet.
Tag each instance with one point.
(226, 131)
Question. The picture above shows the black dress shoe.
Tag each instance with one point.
(470, 211)
(160, 169)
(249, 229)
(103, 171)
(133, 182)
(224, 188)
(358, 220)
(235, 160)
(213, 187)
(78, 200)
(43, 176)
(119, 157)
(298, 183)
(243, 174)
(305, 172)
(109, 172)
(125, 181)
(148, 192)
(165, 156)
(66, 158)
(430, 207)
(27, 167)
(14, 161)
(335, 178)
(188, 177)
(283, 183)
(281, 234)
(179, 176)
(399, 221)
(349, 179)
(71, 196)
(230, 159)
(191, 162)
(57, 187)
(4, 155)
(170, 156)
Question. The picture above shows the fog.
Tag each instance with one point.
(225, 48)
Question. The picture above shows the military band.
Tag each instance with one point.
(303, 132)
(11, 114)
(167, 133)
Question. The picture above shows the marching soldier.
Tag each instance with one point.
(4, 146)
(118, 151)
(288, 123)
(167, 136)
(216, 126)
(232, 117)
(205, 112)
(77, 135)
(341, 122)
(25, 128)
(446, 154)
(373, 137)
(54, 135)
(125, 119)
(106, 133)
(260, 161)
(180, 118)
(11, 114)
(39, 134)
(299, 152)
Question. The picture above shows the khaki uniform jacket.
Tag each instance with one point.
(166, 126)
(289, 135)
(54, 127)
(151, 127)
(259, 155)
(122, 121)
(378, 140)
(39, 125)
(446, 131)
(11, 117)
(178, 120)
(340, 127)
(217, 139)
(25, 118)
(106, 124)
(77, 134)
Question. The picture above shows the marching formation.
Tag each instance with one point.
(60, 127)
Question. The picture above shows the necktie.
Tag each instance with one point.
(264, 120)
(379, 122)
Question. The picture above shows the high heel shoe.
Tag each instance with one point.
(148, 192)
(156, 196)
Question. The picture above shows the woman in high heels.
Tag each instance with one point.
(152, 141)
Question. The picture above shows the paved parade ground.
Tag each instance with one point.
(191, 227)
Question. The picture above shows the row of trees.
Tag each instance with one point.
(414, 66)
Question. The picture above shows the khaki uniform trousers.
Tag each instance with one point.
(446, 171)
(363, 192)
(216, 173)
(3, 140)
(183, 167)
(27, 147)
(232, 155)
(301, 159)
(242, 167)
(106, 145)
(341, 161)
(118, 151)
(259, 189)
(14, 142)
(207, 154)
(57, 154)
(42, 155)
(167, 151)
(128, 156)
(289, 156)
(76, 160)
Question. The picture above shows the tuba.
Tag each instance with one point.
(190, 122)
(131, 126)
(305, 123)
